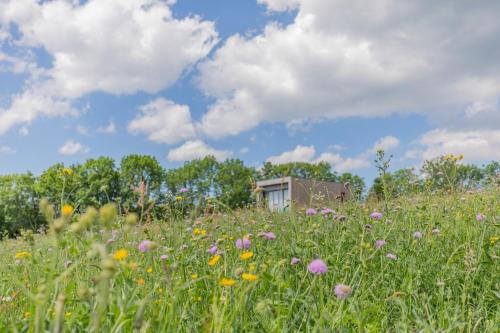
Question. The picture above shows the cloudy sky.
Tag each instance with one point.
(277, 80)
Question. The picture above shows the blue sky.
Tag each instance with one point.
(277, 80)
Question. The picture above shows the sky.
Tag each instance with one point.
(258, 80)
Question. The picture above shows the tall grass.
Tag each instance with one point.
(72, 279)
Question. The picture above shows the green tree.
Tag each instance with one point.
(233, 183)
(317, 171)
(356, 184)
(100, 180)
(58, 186)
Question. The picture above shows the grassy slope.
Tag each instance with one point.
(447, 282)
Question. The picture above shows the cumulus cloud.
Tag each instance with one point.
(110, 129)
(6, 150)
(356, 58)
(338, 162)
(163, 121)
(72, 147)
(195, 149)
(112, 46)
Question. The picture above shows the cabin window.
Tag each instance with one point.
(278, 200)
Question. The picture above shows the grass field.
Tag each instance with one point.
(434, 268)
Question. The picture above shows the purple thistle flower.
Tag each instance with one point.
(417, 235)
(183, 190)
(311, 212)
(327, 211)
(480, 217)
(164, 257)
(243, 243)
(342, 291)
(269, 235)
(145, 246)
(213, 249)
(376, 215)
(436, 231)
(391, 256)
(379, 243)
(294, 261)
(317, 266)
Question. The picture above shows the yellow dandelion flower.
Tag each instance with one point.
(178, 198)
(140, 282)
(67, 171)
(27, 314)
(494, 239)
(22, 255)
(67, 210)
(120, 254)
(248, 277)
(246, 255)
(227, 282)
(201, 232)
(194, 276)
(214, 260)
(150, 270)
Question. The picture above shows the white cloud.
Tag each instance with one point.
(191, 150)
(6, 150)
(27, 106)
(110, 129)
(72, 147)
(82, 130)
(478, 145)
(164, 122)
(113, 46)
(353, 58)
(24, 131)
(338, 162)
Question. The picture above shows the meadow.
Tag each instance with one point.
(422, 263)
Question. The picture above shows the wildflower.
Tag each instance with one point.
(201, 232)
(183, 247)
(214, 260)
(67, 171)
(342, 291)
(227, 282)
(243, 243)
(178, 198)
(327, 211)
(183, 190)
(417, 235)
(311, 212)
(213, 249)
(269, 235)
(120, 254)
(494, 239)
(294, 261)
(317, 266)
(376, 215)
(194, 276)
(146, 245)
(391, 256)
(379, 243)
(163, 257)
(22, 255)
(67, 210)
(140, 281)
(150, 270)
(246, 255)
(436, 231)
(249, 277)
(480, 217)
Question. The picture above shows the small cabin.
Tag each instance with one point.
(281, 193)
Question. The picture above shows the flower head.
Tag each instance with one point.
(243, 243)
(311, 212)
(146, 245)
(294, 261)
(183, 190)
(214, 260)
(269, 235)
(436, 231)
(342, 291)
(327, 211)
(213, 249)
(376, 215)
(22, 255)
(163, 257)
(248, 277)
(317, 266)
(494, 239)
(246, 255)
(120, 254)
(391, 256)
(67, 171)
(227, 282)
(67, 210)
(480, 217)
(379, 243)
(417, 234)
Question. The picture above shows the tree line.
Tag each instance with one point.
(140, 183)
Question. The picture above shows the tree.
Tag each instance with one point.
(233, 183)
(101, 182)
(19, 203)
(317, 171)
(136, 171)
(60, 185)
(356, 184)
